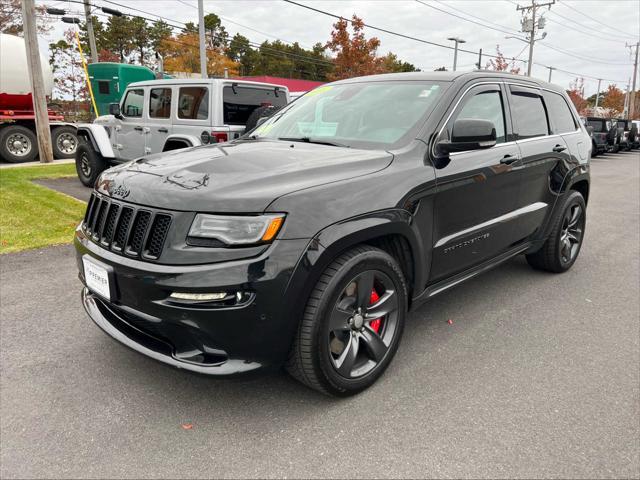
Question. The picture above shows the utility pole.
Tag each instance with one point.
(37, 82)
(598, 94)
(455, 50)
(625, 109)
(203, 47)
(479, 64)
(92, 37)
(529, 26)
(632, 97)
(551, 69)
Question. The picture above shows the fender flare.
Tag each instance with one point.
(327, 244)
(98, 137)
(192, 140)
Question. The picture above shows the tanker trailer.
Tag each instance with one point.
(17, 119)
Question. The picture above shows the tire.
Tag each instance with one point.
(594, 150)
(257, 114)
(333, 331)
(89, 164)
(18, 144)
(64, 142)
(559, 252)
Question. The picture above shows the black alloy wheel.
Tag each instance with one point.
(352, 323)
(561, 249)
(362, 324)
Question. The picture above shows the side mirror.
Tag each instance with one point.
(469, 134)
(114, 109)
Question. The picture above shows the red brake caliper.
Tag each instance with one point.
(376, 323)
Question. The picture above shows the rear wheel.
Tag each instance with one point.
(89, 164)
(64, 142)
(561, 249)
(18, 144)
(352, 323)
(594, 150)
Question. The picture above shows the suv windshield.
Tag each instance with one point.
(373, 115)
(598, 125)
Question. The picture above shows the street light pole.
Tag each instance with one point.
(92, 37)
(203, 48)
(598, 94)
(455, 50)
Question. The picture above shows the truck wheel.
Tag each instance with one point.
(594, 150)
(89, 164)
(18, 144)
(65, 142)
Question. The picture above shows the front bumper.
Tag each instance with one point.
(215, 340)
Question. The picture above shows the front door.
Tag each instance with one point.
(476, 197)
(130, 134)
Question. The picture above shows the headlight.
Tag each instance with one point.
(237, 230)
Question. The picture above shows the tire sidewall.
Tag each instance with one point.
(370, 260)
(96, 164)
(31, 136)
(574, 198)
(57, 153)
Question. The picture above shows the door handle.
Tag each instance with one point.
(509, 159)
(138, 128)
(559, 148)
(163, 130)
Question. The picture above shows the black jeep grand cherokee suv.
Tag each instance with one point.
(306, 242)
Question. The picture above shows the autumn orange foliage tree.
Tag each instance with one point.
(501, 64)
(182, 54)
(355, 54)
(576, 94)
(613, 100)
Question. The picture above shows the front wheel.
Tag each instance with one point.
(352, 323)
(18, 144)
(89, 164)
(561, 249)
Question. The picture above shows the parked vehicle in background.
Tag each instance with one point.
(18, 142)
(307, 242)
(635, 126)
(628, 133)
(110, 80)
(162, 115)
(598, 130)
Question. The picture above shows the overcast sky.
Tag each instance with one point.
(599, 46)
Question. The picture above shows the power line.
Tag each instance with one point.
(582, 57)
(599, 22)
(588, 33)
(384, 30)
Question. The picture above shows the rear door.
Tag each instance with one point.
(192, 111)
(130, 136)
(159, 123)
(545, 157)
(477, 190)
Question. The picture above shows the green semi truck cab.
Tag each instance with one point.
(109, 81)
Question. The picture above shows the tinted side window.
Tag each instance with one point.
(529, 114)
(193, 103)
(160, 103)
(132, 106)
(559, 113)
(240, 102)
(485, 105)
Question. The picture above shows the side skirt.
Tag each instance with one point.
(443, 285)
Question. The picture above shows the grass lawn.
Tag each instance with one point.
(32, 216)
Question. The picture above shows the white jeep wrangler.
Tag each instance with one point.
(161, 115)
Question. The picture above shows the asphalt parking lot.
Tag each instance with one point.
(538, 376)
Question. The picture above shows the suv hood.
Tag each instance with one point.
(235, 177)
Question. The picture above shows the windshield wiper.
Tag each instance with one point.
(313, 140)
